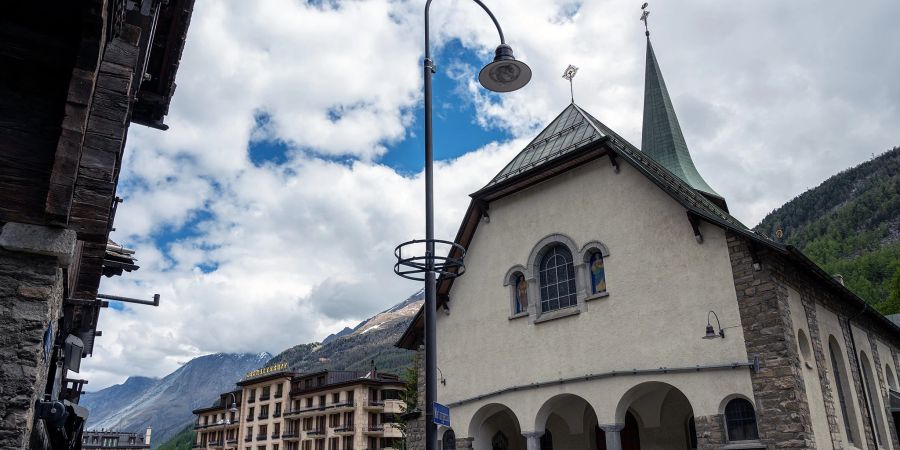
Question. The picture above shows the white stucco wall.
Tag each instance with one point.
(661, 284)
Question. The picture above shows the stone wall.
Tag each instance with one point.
(783, 415)
(31, 294)
(415, 432)
(710, 434)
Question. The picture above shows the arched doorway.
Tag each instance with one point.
(568, 422)
(495, 427)
(656, 415)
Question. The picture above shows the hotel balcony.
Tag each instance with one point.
(311, 433)
(260, 437)
(262, 416)
(291, 435)
(214, 444)
(342, 406)
(374, 404)
(344, 429)
(263, 398)
(276, 414)
(231, 442)
(279, 394)
(248, 439)
(276, 435)
(251, 399)
(393, 406)
(387, 430)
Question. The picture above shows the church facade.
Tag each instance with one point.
(610, 301)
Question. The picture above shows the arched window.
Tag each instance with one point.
(448, 442)
(598, 275)
(557, 279)
(547, 440)
(840, 384)
(740, 420)
(499, 442)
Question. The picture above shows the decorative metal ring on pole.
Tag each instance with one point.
(415, 266)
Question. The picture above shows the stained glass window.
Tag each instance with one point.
(598, 276)
(521, 293)
(557, 279)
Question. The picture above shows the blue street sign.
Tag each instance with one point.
(441, 415)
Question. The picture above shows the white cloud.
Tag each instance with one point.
(773, 97)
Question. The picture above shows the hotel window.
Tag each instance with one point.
(307, 384)
(309, 401)
(252, 396)
(336, 397)
(261, 447)
(349, 396)
(320, 381)
(333, 443)
(307, 445)
(322, 400)
(348, 420)
(265, 393)
(334, 420)
(740, 420)
(274, 446)
(557, 279)
(320, 444)
(263, 429)
(249, 434)
(264, 411)
(348, 443)
(277, 410)
(276, 431)
(279, 390)
(250, 413)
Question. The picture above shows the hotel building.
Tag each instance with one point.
(282, 410)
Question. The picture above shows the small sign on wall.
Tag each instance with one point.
(441, 415)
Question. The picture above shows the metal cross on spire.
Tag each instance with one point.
(644, 15)
(569, 74)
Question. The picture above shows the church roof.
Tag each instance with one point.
(554, 152)
(661, 137)
(569, 131)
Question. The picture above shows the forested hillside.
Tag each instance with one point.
(850, 225)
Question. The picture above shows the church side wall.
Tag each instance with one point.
(783, 414)
(810, 396)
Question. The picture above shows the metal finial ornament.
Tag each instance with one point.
(569, 74)
(644, 15)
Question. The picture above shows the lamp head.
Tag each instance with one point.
(233, 408)
(710, 332)
(505, 74)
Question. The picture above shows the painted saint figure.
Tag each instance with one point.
(598, 277)
(521, 294)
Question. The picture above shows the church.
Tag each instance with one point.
(610, 301)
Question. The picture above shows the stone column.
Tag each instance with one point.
(31, 297)
(613, 433)
(533, 439)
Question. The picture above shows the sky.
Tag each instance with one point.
(267, 215)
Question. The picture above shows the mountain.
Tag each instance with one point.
(850, 225)
(166, 403)
(372, 340)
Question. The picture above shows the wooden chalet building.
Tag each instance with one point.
(73, 76)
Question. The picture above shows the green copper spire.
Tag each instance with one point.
(662, 139)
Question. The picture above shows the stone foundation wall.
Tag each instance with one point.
(710, 433)
(31, 294)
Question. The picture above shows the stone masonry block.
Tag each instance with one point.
(27, 238)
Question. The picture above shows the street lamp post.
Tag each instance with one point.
(504, 74)
(225, 420)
